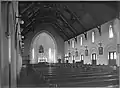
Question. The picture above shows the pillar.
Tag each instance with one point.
(13, 73)
(7, 45)
(117, 31)
(118, 41)
(4, 47)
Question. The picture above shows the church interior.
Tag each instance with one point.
(59, 44)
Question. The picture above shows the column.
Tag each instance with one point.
(117, 31)
(118, 42)
(14, 56)
(4, 47)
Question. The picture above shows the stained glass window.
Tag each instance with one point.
(81, 41)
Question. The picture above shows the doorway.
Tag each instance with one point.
(94, 58)
(112, 56)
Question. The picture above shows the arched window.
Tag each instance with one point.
(93, 36)
(73, 44)
(81, 40)
(111, 35)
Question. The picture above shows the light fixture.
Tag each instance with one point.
(22, 43)
(21, 21)
(21, 29)
(22, 37)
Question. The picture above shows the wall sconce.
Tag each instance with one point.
(19, 19)
(22, 47)
(22, 43)
(22, 37)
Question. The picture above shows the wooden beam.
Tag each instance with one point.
(27, 8)
(78, 20)
(65, 21)
(58, 31)
(62, 30)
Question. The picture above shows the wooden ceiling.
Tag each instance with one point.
(70, 18)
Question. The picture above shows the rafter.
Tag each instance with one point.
(61, 16)
(62, 30)
(76, 17)
(65, 21)
(27, 8)
(55, 25)
(52, 23)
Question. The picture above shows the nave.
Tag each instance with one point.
(69, 75)
(59, 44)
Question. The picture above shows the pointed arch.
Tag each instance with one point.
(36, 37)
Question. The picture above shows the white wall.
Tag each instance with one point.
(107, 43)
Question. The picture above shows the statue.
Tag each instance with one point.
(41, 49)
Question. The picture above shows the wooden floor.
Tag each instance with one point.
(68, 76)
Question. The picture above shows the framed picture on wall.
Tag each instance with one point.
(100, 50)
(86, 52)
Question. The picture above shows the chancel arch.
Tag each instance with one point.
(49, 45)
